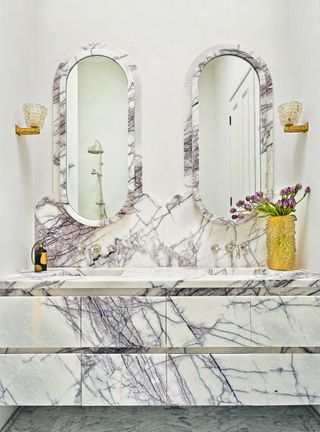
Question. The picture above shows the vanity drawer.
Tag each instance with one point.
(285, 379)
(39, 322)
(208, 379)
(285, 321)
(208, 321)
(40, 379)
(123, 379)
(243, 379)
(123, 321)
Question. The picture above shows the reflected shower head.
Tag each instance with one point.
(96, 148)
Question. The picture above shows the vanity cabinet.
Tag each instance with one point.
(159, 350)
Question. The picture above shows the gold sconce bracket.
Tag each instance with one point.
(27, 130)
(297, 128)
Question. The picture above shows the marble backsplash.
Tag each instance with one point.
(150, 235)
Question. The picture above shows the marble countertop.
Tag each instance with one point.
(173, 278)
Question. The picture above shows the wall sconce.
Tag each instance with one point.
(289, 114)
(34, 115)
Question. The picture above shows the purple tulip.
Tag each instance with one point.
(240, 216)
(282, 192)
(292, 202)
(240, 203)
(298, 187)
(234, 216)
(307, 190)
(248, 198)
(248, 207)
(233, 210)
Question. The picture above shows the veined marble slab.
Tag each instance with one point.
(212, 321)
(287, 379)
(170, 280)
(209, 379)
(39, 322)
(285, 321)
(124, 379)
(40, 379)
(245, 379)
(123, 321)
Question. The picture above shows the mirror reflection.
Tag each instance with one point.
(97, 137)
(229, 139)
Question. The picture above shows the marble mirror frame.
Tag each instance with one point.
(60, 135)
(191, 133)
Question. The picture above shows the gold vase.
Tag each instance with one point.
(281, 245)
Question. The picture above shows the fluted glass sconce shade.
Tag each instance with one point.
(34, 115)
(289, 115)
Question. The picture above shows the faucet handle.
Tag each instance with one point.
(82, 249)
(215, 248)
(244, 247)
(111, 248)
(230, 246)
(95, 249)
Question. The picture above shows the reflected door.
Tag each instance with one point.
(244, 154)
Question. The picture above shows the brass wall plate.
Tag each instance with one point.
(296, 128)
(27, 131)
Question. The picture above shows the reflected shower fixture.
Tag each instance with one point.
(34, 115)
(97, 149)
(289, 115)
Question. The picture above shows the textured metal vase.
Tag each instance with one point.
(281, 243)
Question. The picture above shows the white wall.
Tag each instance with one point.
(16, 160)
(162, 37)
(300, 153)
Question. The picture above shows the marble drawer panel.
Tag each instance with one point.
(208, 379)
(40, 379)
(208, 321)
(127, 379)
(285, 379)
(39, 322)
(123, 321)
(285, 321)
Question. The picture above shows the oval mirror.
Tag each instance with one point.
(231, 130)
(96, 93)
(97, 156)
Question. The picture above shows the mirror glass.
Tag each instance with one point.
(97, 137)
(229, 139)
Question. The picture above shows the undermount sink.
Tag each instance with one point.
(159, 273)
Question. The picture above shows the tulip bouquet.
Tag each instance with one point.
(262, 206)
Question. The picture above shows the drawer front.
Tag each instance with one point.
(243, 379)
(285, 321)
(123, 321)
(285, 379)
(128, 379)
(41, 379)
(208, 379)
(208, 321)
(39, 322)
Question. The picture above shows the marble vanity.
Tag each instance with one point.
(160, 336)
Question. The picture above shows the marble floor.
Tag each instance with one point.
(151, 419)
